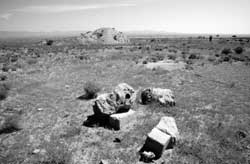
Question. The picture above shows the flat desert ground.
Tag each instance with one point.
(42, 119)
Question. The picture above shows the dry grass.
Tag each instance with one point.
(212, 104)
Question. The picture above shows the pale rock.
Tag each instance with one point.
(121, 120)
(163, 96)
(168, 126)
(120, 99)
(157, 141)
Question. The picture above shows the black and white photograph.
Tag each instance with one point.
(124, 81)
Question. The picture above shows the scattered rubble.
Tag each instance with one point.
(120, 100)
(162, 136)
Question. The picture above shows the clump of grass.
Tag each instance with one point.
(10, 124)
(238, 50)
(91, 89)
(71, 132)
(226, 51)
(194, 56)
(56, 153)
(7, 67)
(4, 89)
(172, 57)
(3, 77)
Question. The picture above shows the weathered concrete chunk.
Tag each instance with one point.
(168, 126)
(120, 100)
(121, 120)
(163, 96)
(157, 141)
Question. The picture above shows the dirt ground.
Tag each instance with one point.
(42, 121)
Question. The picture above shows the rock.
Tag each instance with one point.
(36, 151)
(157, 141)
(103, 36)
(163, 96)
(104, 162)
(168, 126)
(120, 100)
(147, 156)
(121, 120)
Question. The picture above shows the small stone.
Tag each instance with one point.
(121, 120)
(40, 109)
(117, 140)
(147, 156)
(157, 141)
(104, 162)
(36, 151)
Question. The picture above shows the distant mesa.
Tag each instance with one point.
(104, 36)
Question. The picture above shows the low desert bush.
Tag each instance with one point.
(226, 51)
(7, 67)
(238, 50)
(4, 89)
(10, 124)
(172, 57)
(56, 153)
(194, 56)
(91, 89)
(3, 77)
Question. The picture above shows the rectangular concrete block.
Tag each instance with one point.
(157, 141)
(120, 120)
(168, 126)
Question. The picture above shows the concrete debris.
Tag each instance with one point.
(168, 126)
(162, 136)
(163, 96)
(157, 141)
(104, 162)
(104, 36)
(121, 120)
(147, 156)
(120, 100)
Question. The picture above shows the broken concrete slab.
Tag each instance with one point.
(119, 100)
(157, 141)
(163, 96)
(121, 120)
(168, 126)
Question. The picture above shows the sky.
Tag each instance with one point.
(182, 16)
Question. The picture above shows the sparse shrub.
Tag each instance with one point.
(238, 50)
(145, 62)
(3, 77)
(14, 59)
(10, 124)
(210, 38)
(56, 153)
(193, 56)
(7, 67)
(226, 58)
(226, 51)
(91, 89)
(71, 132)
(4, 89)
(172, 57)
